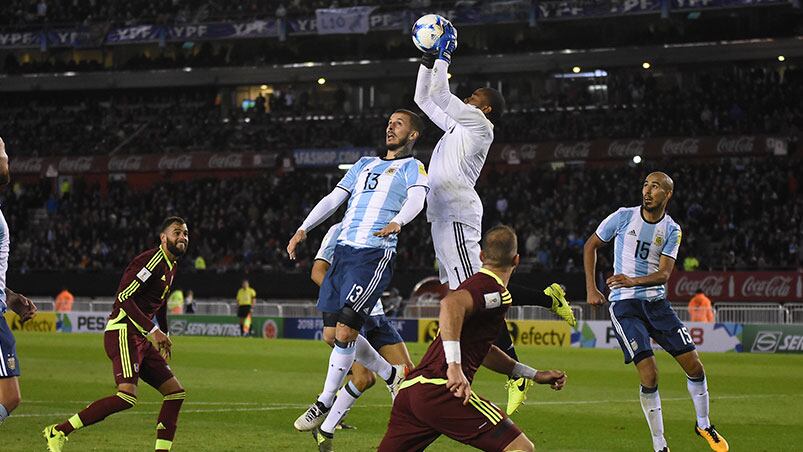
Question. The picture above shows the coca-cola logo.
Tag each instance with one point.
(226, 161)
(177, 162)
(30, 165)
(711, 285)
(75, 164)
(626, 148)
(130, 163)
(775, 287)
(519, 152)
(579, 150)
(736, 145)
(687, 146)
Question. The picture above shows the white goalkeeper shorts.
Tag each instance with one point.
(457, 248)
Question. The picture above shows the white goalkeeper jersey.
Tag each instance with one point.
(458, 157)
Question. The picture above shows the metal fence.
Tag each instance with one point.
(790, 313)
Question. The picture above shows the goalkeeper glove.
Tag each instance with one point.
(447, 43)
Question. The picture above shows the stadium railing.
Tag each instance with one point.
(789, 313)
(754, 313)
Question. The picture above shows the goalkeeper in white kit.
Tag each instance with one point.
(454, 208)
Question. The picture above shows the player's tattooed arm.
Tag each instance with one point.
(21, 305)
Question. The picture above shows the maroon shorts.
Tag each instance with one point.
(134, 356)
(422, 412)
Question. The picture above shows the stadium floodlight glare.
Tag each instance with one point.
(263, 87)
(576, 69)
(187, 69)
(345, 166)
(636, 159)
(69, 74)
(781, 58)
(321, 81)
(449, 75)
(646, 65)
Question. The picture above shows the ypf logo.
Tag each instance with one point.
(766, 341)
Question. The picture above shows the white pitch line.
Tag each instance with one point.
(296, 406)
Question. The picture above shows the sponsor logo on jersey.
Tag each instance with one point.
(493, 300)
(632, 232)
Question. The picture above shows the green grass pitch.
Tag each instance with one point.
(243, 395)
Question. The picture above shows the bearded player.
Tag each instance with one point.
(9, 363)
(436, 398)
(453, 207)
(141, 295)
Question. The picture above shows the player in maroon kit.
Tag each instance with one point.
(436, 398)
(141, 295)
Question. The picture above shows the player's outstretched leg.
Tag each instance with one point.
(167, 422)
(697, 384)
(560, 306)
(56, 435)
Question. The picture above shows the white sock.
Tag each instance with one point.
(343, 403)
(371, 359)
(340, 362)
(698, 390)
(651, 406)
(3, 413)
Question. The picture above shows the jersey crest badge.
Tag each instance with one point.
(493, 300)
(11, 363)
(659, 240)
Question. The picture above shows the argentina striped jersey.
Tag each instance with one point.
(378, 189)
(638, 248)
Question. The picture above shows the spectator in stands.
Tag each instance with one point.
(64, 301)
(700, 309)
(690, 263)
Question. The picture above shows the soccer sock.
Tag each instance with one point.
(3, 413)
(698, 390)
(343, 403)
(340, 361)
(371, 359)
(651, 405)
(98, 411)
(168, 420)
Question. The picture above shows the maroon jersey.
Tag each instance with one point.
(480, 328)
(142, 292)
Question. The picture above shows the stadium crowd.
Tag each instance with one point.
(739, 214)
(26, 12)
(726, 100)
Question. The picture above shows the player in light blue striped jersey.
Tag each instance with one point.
(646, 242)
(9, 363)
(384, 194)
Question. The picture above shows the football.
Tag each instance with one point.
(427, 30)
